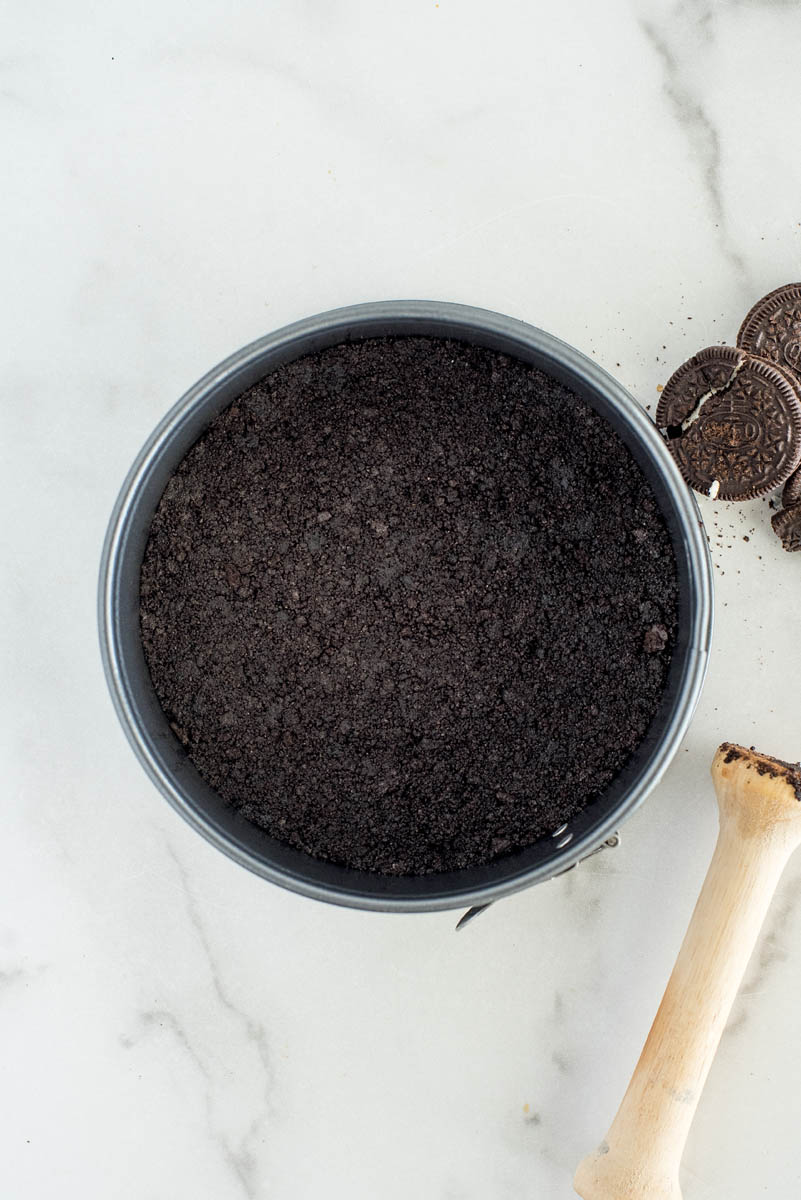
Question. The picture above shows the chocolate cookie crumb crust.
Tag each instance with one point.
(408, 604)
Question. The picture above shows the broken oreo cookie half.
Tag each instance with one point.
(733, 422)
(792, 489)
(787, 526)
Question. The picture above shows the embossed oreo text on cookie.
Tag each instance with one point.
(733, 423)
(772, 329)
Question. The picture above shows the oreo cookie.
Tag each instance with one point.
(787, 525)
(732, 423)
(772, 329)
(792, 489)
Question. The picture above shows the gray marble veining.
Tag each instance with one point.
(253, 1029)
(691, 25)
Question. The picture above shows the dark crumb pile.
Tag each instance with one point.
(408, 604)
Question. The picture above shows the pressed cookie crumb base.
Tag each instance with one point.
(408, 604)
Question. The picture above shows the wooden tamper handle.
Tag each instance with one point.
(759, 799)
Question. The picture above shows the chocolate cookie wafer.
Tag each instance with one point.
(787, 525)
(792, 489)
(772, 329)
(732, 422)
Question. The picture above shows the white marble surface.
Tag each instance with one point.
(182, 178)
